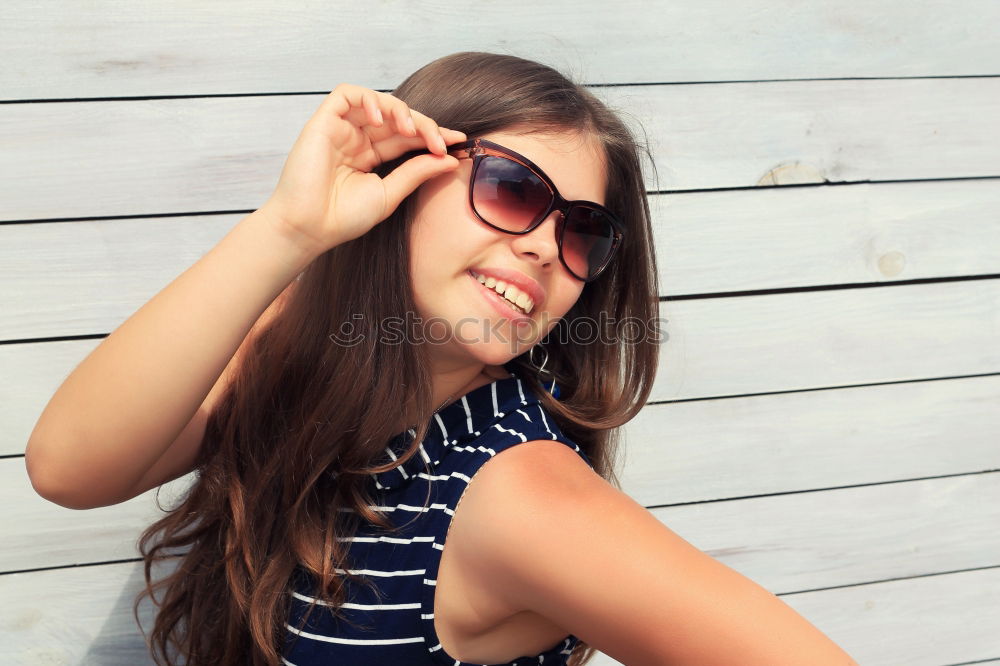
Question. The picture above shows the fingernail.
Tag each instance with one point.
(378, 115)
(409, 124)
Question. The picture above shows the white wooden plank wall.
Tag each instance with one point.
(825, 416)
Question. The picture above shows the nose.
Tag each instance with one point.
(541, 244)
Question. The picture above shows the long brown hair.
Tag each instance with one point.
(283, 470)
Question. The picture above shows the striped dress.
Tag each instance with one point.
(396, 627)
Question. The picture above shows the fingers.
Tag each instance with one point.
(410, 124)
(383, 117)
(371, 108)
(409, 175)
(396, 145)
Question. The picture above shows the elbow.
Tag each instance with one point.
(50, 485)
(42, 486)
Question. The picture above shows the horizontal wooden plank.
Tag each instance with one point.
(34, 373)
(146, 157)
(781, 342)
(84, 616)
(114, 47)
(82, 276)
(780, 238)
(41, 534)
(788, 132)
(705, 450)
(76, 616)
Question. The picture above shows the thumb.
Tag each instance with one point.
(408, 176)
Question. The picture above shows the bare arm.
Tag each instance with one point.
(143, 391)
(545, 533)
(132, 414)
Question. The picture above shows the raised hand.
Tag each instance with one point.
(327, 193)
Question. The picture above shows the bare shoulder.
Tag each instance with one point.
(545, 533)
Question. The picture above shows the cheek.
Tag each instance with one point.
(422, 277)
(564, 298)
(437, 253)
(437, 258)
(427, 242)
(445, 227)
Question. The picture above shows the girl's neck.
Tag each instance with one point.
(451, 387)
(445, 395)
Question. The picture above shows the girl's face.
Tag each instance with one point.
(448, 243)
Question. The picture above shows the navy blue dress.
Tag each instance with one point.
(399, 621)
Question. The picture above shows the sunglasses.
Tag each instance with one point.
(509, 193)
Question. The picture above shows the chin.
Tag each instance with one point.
(497, 353)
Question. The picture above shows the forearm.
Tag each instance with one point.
(126, 402)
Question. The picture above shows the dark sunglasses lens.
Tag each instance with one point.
(588, 239)
(510, 196)
(507, 194)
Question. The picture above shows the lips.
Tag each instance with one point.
(500, 304)
(526, 284)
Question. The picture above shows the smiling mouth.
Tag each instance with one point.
(511, 295)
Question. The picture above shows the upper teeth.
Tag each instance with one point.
(508, 291)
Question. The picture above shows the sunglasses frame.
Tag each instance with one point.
(477, 149)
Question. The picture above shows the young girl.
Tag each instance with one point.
(445, 272)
